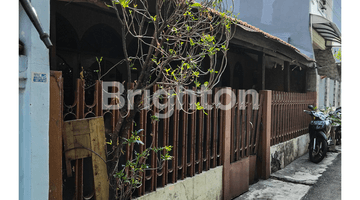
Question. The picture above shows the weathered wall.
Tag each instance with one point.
(207, 185)
(284, 153)
(34, 106)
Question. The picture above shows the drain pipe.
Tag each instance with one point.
(31, 12)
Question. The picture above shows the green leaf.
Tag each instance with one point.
(123, 3)
(192, 42)
(195, 5)
(154, 18)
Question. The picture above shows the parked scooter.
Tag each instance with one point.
(319, 130)
(337, 125)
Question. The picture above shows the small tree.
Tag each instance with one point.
(173, 38)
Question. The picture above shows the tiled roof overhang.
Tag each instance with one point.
(254, 38)
(263, 41)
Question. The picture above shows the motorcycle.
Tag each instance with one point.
(337, 125)
(320, 134)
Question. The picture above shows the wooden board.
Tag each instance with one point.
(86, 138)
(98, 144)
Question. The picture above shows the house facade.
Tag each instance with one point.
(312, 27)
(83, 30)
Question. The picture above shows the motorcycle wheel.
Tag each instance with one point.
(316, 155)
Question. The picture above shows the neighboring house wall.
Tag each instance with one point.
(286, 19)
(315, 8)
(34, 106)
(328, 93)
(321, 93)
(289, 20)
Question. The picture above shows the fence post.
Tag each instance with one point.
(263, 167)
(55, 135)
(226, 145)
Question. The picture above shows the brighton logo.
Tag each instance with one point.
(114, 98)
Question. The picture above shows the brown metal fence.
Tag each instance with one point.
(245, 125)
(288, 119)
(195, 136)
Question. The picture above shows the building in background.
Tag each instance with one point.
(312, 27)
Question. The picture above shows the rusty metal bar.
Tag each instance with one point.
(275, 115)
(289, 121)
(232, 134)
(238, 127)
(142, 123)
(98, 92)
(165, 135)
(207, 135)
(154, 132)
(243, 139)
(248, 117)
(193, 141)
(259, 120)
(215, 130)
(200, 145)
(221, 136)
(175, 150)
(185, 136)
(252, 141)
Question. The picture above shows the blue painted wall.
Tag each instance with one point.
(286, 19)
(34, 107)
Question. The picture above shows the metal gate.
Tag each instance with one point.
(242, 135)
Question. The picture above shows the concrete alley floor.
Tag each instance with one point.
(294, 181)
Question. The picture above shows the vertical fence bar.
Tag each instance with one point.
(165, 135)
(215, 130)
(221, 126)
(55, 135)
(263, 158)
(154, 131)
(175, 143)
(200, 145)
(193, 140)
(287, 111)
(248, 117)
(253, 129)
(226, 131)
(260, 116)
(208, 133)
(238, 125)
(143, 125)
(232, 136)
(185, 136)
(243, 130)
